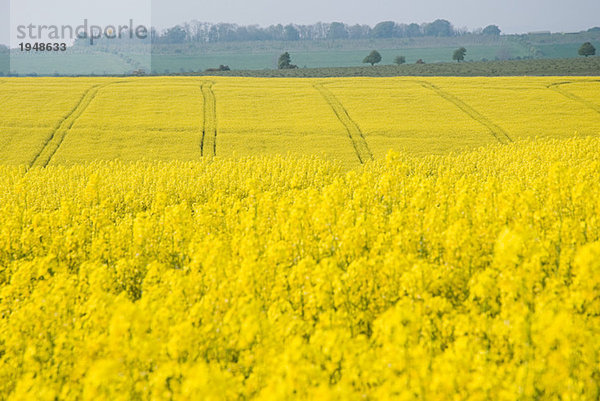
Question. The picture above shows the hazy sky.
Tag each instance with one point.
(513, 16)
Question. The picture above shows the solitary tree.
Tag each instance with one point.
(587, 49)
(400, 60)
(373, 58)
(285, 62)
(459, 54)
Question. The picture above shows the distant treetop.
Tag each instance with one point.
(439, 27)
(290, 33)
(384, 30)
(337, 30)
(491, 30)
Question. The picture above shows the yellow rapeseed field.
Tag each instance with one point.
(306, 261)
(47, 121)
(471, 276)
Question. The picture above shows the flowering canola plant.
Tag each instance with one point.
(469, 276)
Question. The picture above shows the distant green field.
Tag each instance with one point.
(193, 57)
(329, 54)
(70, 63)
(563, 50)
(324, 58)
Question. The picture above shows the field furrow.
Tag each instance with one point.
(557, 88)
(149, 120)
(208, 146)
(30, 112)
(356, 136)
(57, 136)
(279, 117)
(498, 133)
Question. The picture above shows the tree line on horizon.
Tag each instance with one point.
(205, 32)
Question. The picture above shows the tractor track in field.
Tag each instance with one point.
(208, 144)
(556, 87)
(496, 131)
(56, 138)
(354, 132)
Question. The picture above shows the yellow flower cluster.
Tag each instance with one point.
(462, 277)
